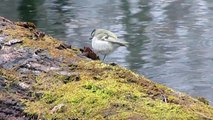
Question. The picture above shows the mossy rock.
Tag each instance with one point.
(65, 84)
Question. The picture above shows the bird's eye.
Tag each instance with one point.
(106, 37)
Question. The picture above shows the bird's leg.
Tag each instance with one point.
(104, 57)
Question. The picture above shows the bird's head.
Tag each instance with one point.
(92, 34)
(102, 34)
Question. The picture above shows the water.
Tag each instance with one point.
(171, 40)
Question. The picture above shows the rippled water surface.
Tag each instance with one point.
(171, 40)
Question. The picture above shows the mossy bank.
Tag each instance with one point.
(51, 80)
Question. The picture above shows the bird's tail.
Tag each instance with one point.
(123, 43)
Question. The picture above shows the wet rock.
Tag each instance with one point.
(26, 60)
(15, 88)
(34, 66)
(10, 55)
(12, 109)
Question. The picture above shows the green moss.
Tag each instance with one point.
(204, 100)
(102, 91)
(105, 99)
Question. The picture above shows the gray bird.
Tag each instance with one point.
(105, 42)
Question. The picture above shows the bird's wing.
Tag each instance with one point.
(112, 39)
(115, 41)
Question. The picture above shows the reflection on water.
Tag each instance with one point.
(171, 40)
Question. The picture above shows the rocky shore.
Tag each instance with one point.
(43, 78)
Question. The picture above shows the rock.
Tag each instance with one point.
(42, 76)
(26, 24)
(24, 85)
(67, 77)
(5, 22)
(57, 108)
(2, 82)
(204, 100)
(11, 109)
(12, 42)
(64, 46)
(86, 51)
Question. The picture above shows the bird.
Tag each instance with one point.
(105, 41)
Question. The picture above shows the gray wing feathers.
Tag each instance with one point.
(121, 43)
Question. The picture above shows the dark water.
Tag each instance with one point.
(172, 39)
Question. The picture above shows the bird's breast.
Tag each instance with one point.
(102, 47)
